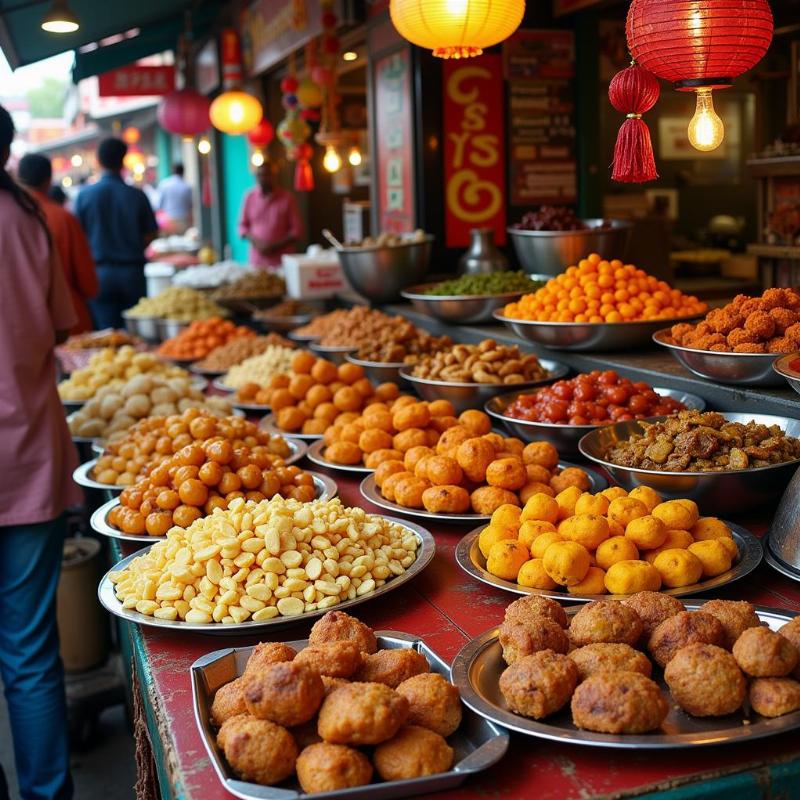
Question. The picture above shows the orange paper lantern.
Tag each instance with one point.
(456, 28)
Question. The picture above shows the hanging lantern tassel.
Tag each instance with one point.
(634, 91)
(303, 173)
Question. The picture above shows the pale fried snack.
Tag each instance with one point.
(736, 617)
(684, 628)
(605, 621)
(362, 713)
(433, 703)
(325, 767)
(332, 659)
(774, 697)
(392, 667)
(338, 626)
(763, 653)
(288, 693)
(258, 750)
(412, 753)
(609, 657)
(540, 684)
(521, 639)
(653, 608)
(228, 701)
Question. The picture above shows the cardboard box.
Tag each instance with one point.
(314, 277)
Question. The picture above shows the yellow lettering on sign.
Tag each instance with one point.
(454, 84)
(472, 199)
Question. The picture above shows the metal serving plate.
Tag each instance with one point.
(588, 336)
(222, 387)
(325, 489)
(720, 493)
(268, 424)
(270, 322)
(371, 492)
(565, 438)
(336, 353)
(781, 366)
(471, 395)
(779, 565)
(303, 339)
(742, 369)
(478, 743)
(105, 593)
(314, 454)
(378, 371)
(71, 406)
(471, 560)
(476, 672)
(205, 373)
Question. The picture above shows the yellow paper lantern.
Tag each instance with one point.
(456, 28)
(235, 112)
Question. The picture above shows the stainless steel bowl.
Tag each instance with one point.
(565, 438)
(380, 273)
(588, 336)
(781, 366)
(169, 328)
(475, 395)
(783, 543)
(551, 252)
(742, 369)
(461, 309)
(281, 324)
(719, 493)
(145, 327)
(302, 339)
(378, 371)
(335, 353)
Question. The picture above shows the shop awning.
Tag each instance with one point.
(23, 41)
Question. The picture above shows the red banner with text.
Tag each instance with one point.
(474, 148)
(137, 81)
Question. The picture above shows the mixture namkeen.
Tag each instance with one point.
(221, 359)
(284, 714)
(262, 560)
(695, 441)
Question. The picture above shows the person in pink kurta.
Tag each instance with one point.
(36, 462)
(269, 220)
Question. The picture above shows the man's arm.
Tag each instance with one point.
(147, 220)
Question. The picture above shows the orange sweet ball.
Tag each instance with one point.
(600, 291)
(201, 337)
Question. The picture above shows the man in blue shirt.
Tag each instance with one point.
(175, 200)
(119, 223)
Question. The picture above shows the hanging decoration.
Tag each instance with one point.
(293, 132)
(303, 173)
(456, 28)
(699, 47)
(234, 111)
(262, 134)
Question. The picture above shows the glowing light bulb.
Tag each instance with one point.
(257, 159)
(706, 130)
(77, 160)
(354, 157)
(332, 161)
(66, 181)
(204, 147)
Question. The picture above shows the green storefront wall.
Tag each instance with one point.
(236, 179)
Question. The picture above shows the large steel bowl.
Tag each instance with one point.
(381, 273)
(475, 395)
(551, 252)
(170, 328)
(378, 371)
(267, 322)
(144, 327)
(782, 367)
(334, 353)
(565, 438)
(588, 336)
(719, 493)
(742, 369)
(461, 309)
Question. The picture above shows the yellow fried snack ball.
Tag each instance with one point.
(675, 540)
(506, 516)
(593, 583)
(710, 528)
(713, 555)
(646, 532)
(531, 529)
(617, 548)
(678, 568)
(540, 507)
(613, 493)
(644, 494)
(566, 501)
(566, 562)
(592, 504)
(614, 528)
(491, 535)
(532, 574)
(590, 530)
(630, 577)
(543, 541)
(506, 559)
(625, 509)
(677, 514)
(730, 545)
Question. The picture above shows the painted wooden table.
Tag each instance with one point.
(447, 608)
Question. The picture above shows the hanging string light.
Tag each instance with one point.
(234, 111)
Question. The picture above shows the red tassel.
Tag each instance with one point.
(303, 176)
(634, 91)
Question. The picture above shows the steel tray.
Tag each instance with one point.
(314, 454)
(268, 424)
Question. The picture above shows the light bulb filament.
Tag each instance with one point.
(706, 130)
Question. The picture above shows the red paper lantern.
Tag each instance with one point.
(184, 112)
(262, 134)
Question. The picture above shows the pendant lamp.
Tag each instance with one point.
(234, 111)
(184, 112)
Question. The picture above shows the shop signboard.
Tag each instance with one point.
(539, 67)
(394, 173)
(136, 81)
(474, 148)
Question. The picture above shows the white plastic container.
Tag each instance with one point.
(159, 277)
(316, 275)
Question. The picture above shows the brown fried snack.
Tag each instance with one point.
(287, 693)
(412, 753)
(337, 626)
(533, 605)
(228, 701)
(653, 608)
(305, 734)
(684, 628)
(265, 653)
(539, 685)
(523, 639)
(609, 657)
(763, 653)
(258, 750)
(791, 631)
(736, 617)
(705, 680)
(774, 697)
(618, 702)
(332, 683)
(362, 713)
(433, 703)
(392, 667)
(325, 767)
(605, 621)
(334, 659)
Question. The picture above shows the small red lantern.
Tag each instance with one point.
(303, 173)
(184, 112)
(131, 135)
(262, 134)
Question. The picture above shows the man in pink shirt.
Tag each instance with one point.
(269, 220)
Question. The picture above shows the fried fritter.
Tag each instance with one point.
(392, 667)
(618, 702)
(523, 639)
(325, 767)
(334, 659)
(791, 631)
(684, 628)
(337, 626)
(609, 657)
(534, 605)
(265, 653)
(258, 750)
(605, 621)
(412, 753)
(362, 713)
(653, 608)
(763, 653)
(774, 697)
(228, 701)
(433, 703)
(332, 683)
(540, 684)
(736, 617)
(287, 693)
